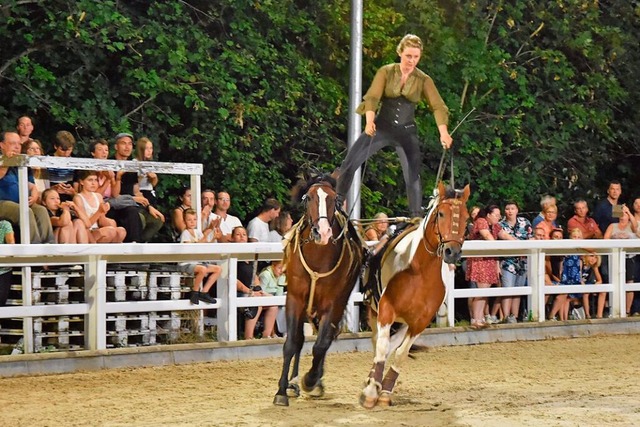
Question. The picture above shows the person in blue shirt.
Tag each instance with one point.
(39, 223)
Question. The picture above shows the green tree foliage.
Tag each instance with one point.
(257, 91)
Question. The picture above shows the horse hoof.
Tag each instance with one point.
(280, 400)
(368, 402)
(293, 390)
(317, 391)
(384, 399)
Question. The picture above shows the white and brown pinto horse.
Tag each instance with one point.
(323, 259)
(409, 289)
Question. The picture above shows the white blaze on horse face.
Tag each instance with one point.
(324, 229)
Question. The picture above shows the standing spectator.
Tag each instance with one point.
(192, 235)
(545, 202)
(581, 221)
(571, 274)
(147, 181)
(623, 230)
(258, 227)
(483, 270)
(24, 126)
(6, 237)
(248, 285)
(227, 221)
(514, 269)
(603, 213)
(550, 214)
(61, 179)
(39, 224)
(280, 226)
(67, 227)
(92, 210)
(127, 183)
(33, 147)
(123, 208)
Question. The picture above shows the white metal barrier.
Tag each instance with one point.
(536, 251)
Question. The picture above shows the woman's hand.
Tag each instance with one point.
(370, 129)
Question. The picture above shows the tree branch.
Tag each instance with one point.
(139, 107)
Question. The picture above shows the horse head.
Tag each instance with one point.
(320, 207)
(449, 223)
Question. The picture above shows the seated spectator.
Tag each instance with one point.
(274, 282)
(123, 209)
(178, 224)
(570, 269)
(258, 227)
(67, 227)
(580, 220)
(62, 179)
(545, 202)
(39, 224)
(33, 147)
(591, 276)
(377, 232)
(127, 184)
(24, 128)
(227, 221)
(92, 210)
(191, 235)
(280, 226)
(147, 181)
(623, 230)
(248, 285)
(377, 229)
(6, 237)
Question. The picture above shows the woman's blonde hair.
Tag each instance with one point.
(410, 40)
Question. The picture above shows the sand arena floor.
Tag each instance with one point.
(578, 382)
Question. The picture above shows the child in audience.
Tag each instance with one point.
(192, 235)
(590, 276)
(92, 210)
(274, 282)
(67, 227)
(570, 268)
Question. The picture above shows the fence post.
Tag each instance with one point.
(617, 277)
(537, 283)
(95, 291)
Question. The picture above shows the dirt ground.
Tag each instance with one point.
(578, 382)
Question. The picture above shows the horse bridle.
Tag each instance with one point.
(311, 223)
(456, 234)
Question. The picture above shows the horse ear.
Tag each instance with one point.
(466, 192)
(441, 190)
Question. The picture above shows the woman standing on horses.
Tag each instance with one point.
(397, 88)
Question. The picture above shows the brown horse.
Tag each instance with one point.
(408, 287)
(323, 258)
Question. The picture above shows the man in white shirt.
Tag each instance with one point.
(227, 222)
(258, 228)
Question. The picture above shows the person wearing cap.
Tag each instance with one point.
(127, 183)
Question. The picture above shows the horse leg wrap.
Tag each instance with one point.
(376, 374)
(389, 380)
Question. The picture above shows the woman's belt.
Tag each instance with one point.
(397, 112)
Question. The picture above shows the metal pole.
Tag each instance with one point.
(355, 95)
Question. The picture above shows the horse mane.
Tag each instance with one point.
(305, 182)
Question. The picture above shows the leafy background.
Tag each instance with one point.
(257, 91)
